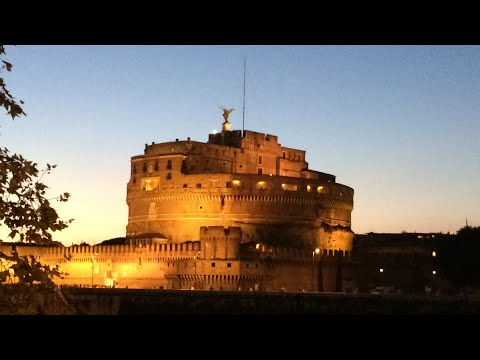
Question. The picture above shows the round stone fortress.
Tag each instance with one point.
(239, 179)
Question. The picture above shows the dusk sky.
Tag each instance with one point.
(398, 124)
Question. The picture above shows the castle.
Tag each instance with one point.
(239, 179)
(239, 212)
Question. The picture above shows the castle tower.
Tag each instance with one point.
(219, 242)
(240, 179)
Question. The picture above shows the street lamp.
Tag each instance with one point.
(316, 251)
(93, 264)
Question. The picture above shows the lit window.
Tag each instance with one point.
(148, 185)
(309, 188)
(320, 189)
(261, 185)
(289, 187)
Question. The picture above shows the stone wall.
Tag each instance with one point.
(162, 302)
(220, 262)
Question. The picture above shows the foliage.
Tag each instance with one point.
(25, 283)
(27, 299)
(6, 99)
(23, 206)
(459, 257)
(24, 209)
(27, 270)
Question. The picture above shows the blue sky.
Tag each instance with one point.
(399, 124)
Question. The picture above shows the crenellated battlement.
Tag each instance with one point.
(210, 237)
(261, 250)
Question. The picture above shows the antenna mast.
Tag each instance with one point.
(243, 115)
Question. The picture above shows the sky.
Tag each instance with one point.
(398, 124)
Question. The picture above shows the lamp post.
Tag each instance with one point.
(316, 251)
(93, 264)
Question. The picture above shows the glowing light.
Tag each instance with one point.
(261, 185)
(257, 246)
(434, 254)
(317, 251)
(309, 188)
(381, 270)
(320, 188)
(434, 272)
(148, 185)
(236, 182)
(290, 187)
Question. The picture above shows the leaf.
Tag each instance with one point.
(7, 65)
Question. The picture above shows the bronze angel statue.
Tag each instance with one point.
(226, 112)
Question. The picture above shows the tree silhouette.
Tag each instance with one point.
(459, 257)
(24, 209)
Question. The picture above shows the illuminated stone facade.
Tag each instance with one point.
(240, 212)
(237, 179)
